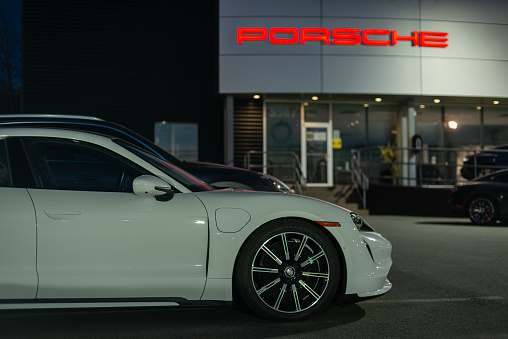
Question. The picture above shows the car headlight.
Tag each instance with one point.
(360, 223)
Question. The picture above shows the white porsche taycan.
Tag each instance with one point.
(89, 220)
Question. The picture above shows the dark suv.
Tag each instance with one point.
(219, 176)
(485, 162)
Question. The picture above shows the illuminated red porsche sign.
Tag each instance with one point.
(340, 36)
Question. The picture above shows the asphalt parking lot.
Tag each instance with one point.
(450, 280)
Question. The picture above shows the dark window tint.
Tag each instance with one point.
(73, 165)
(5, 173)
(501, 178)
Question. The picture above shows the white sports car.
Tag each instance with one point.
(89, 220)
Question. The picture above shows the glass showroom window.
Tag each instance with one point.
(382, 131)
(495, 132)
(462, 127)
(283, 130)
(348, 126)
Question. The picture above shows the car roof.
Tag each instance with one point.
(10, 117)
(53, 132)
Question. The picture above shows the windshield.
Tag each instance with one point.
(178, 174)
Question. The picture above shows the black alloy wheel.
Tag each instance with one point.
(288, 270)
(482, 210)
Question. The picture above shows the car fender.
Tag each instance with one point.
(263, 207)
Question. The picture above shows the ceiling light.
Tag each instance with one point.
(314, 98)
(422, 106)
(257, 96)
(437, 101)
(452, 124)
(495, 102)
(378, 99)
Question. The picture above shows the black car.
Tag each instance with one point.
(484, 200)
(216, 175)
(485, 162)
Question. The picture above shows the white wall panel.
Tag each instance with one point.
(270, 74)
(470, 40)
(465, 77)
(489, 11)
(371, 74)
(372, 9)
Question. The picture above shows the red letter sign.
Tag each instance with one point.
(368, 41)
(413, 38)
(315, 33)
(346, 36)
(251, 33)
(439, 42)
(293, 30)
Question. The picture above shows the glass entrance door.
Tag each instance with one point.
(317, 154)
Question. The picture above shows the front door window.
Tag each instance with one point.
(317, 154)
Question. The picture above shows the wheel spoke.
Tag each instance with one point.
(310, 290)
(296, 298)
(268, 286)
(281, 295)
(271, 255)
(312, 259)
(302, 246)
(285, 245)
(290, 272)
(265, 270)
(316, 275)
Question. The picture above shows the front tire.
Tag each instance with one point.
(482, 210)
(288, 270)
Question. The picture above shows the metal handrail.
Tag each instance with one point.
(448, 166)
(298, 179)
(358, 177)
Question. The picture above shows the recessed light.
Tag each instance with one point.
(437, 101)
(452, 124)
(257, 96)
(495, 102)
(315, 98)
(378, 99)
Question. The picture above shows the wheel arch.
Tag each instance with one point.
(341, 290)
(495, 201)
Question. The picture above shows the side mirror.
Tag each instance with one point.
(148, 185)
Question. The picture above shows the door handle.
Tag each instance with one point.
(61, 213)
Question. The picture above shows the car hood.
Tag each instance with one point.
(265, 206)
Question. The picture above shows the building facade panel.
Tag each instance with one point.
(488, 11)
(470, 36)
(287, 73)
(369, 74)
(469, 40)
(465, 77)
(373, 9)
